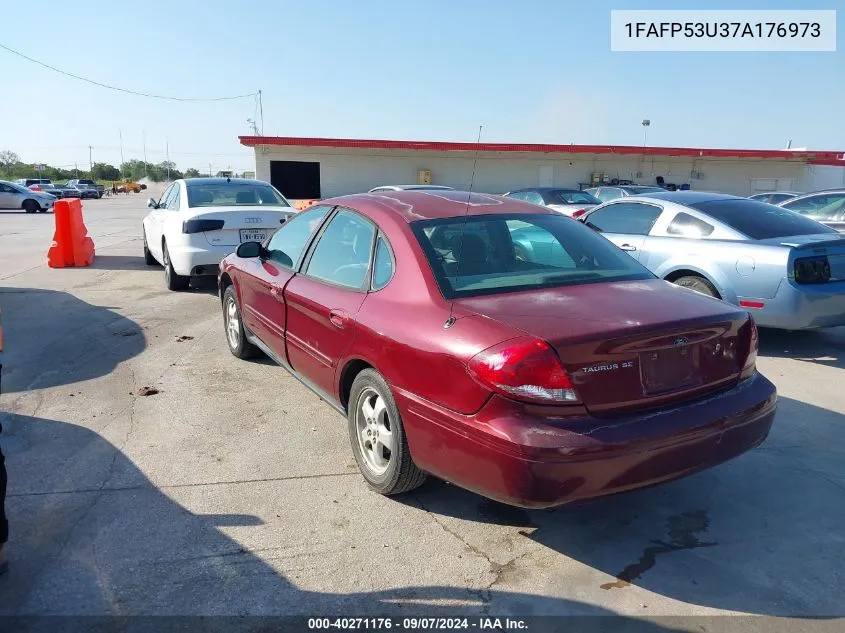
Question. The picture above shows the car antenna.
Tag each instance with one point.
(451, 320)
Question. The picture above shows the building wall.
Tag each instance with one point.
(344, 171)
(822, 177)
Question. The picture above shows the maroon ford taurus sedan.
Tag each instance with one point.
(497, 345)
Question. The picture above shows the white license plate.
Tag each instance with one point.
(248, 235)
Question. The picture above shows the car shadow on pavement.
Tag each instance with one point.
(760, 534)
(91, 535)
(823, 347)
(121, 262)
(53, 338)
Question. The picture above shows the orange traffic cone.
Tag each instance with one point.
(71, 244)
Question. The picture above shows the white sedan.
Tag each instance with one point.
(198, 221)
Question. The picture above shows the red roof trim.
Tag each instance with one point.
(442, 146)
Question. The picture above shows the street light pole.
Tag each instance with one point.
(90, 162)
(646, 124)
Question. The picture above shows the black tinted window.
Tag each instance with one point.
(687, 225)
(288, 242)
(759, 220)
(342, 255)
(505, 253)
(630, 218)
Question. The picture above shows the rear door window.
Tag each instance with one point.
(627, 218)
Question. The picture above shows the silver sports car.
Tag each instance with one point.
(787, 270)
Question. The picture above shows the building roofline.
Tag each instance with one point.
(817, 157)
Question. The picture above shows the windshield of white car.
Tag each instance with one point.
(234, 194)
(760, 220)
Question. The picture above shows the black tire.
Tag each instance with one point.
(401, 473)
(149, 260)
(238, 343)
(171, 279)
(699, 284)
(31, 206)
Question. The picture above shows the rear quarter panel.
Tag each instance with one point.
(737, 269)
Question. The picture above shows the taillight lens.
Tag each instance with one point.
(524, 369)
(812, 270)
(199, 226)
(579, 213)
(750, 363)
(34, 188)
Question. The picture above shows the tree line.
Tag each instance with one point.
(12, 168)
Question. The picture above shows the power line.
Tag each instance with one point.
(127, 91)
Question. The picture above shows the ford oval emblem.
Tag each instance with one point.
(681, 340)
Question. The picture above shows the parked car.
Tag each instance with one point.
(605, 194)
(44, 185)
(532, 383)
(571, 202)
(788, 270)
(79, 191)
(90, 184)
(69, 192)
(15, 196)
(827, 207)
(410, 188)
(774, 197)
(197, 221)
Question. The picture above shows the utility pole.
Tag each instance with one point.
(90, 162)
(167, 149)
(209, 170)
(120, 132)
(145, 153)
(261, 112)
(76, 169)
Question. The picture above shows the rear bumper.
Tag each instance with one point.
(186, 258)
(808, 307)
(517, 455)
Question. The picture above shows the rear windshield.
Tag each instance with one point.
(234, 194)
(505, 253)
(562, 196)
(637, 190)
(760, 220)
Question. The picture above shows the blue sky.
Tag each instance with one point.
(528, 71)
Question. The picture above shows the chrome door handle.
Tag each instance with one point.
(628, 247)
(275, 290)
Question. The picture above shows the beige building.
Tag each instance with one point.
(308, 168)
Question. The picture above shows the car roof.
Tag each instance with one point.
(689, 197)
(415, 187)
(540, 189)
(435, 204)
(822, 191)
(190, 182)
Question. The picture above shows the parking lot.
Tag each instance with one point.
(151, 472)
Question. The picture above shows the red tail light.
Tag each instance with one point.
(750, 364)
(524, 369)
(34, 188)
(579, 213)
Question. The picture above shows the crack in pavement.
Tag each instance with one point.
(485, 594)
(176, 486)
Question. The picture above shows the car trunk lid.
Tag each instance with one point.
(241, 224)
(630, 345)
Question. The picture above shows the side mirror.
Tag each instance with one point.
(249, 250)
(152, 204)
